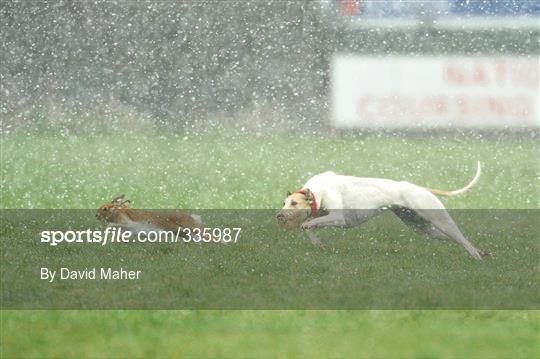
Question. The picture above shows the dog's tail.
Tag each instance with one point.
(461, 190)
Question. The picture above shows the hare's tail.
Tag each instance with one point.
(198, 219)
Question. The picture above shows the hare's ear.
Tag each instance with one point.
(118, 199)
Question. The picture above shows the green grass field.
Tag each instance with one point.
(228, 171)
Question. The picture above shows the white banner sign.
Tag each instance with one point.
(435, 92)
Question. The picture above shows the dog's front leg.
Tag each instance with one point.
(314, 238)
(330, 220)
(333, 219)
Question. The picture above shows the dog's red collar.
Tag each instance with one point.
(313, 204)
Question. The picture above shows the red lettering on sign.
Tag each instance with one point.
(460, 109)
(496, 106)
(454, 75)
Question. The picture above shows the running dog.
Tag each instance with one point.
(332, 200)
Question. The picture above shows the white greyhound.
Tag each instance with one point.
(332, 200)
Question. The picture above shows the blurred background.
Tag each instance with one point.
(186, 104)
(71, 65)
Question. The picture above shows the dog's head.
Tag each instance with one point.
(106, 211)
(296, 209)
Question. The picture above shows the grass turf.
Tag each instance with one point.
(243, 171)
(232, 171)
(311, 334)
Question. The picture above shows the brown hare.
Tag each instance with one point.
(119, 214)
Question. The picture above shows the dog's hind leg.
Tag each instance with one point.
(446, 225)
(430, 208)
(417, 223)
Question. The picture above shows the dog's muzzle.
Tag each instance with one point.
(290, 218)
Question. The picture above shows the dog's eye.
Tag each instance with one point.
(293, 203)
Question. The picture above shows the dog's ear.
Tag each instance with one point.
(308, 194)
